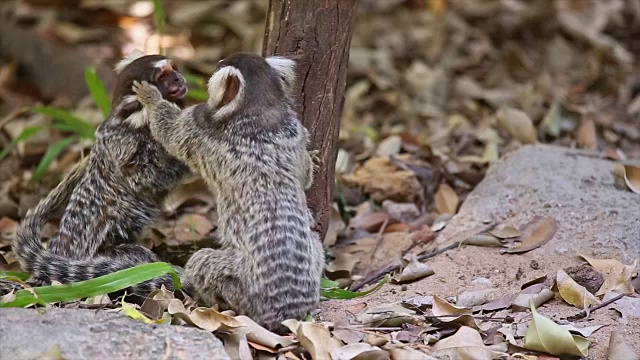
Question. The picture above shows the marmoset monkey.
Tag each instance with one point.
(114, 194)
(251, 149)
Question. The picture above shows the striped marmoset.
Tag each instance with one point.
(248, 144)
(114, 195)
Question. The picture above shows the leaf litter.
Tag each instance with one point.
(423, 119)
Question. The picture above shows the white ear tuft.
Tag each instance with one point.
(128, 60)
(285, 67)
(219, 90)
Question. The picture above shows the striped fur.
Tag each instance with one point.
(109, 200)
(254, 158)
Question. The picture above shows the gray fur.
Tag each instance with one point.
(254, 158)
(110, 198)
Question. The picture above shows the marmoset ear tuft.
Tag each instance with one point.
(136, 54)
(286, 68)
(226, 90)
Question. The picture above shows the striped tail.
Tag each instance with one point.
(28, 244)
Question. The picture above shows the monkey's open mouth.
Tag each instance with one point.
(177, 92)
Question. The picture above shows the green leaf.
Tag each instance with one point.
(198, 95)
(109, 283)
(330, 290)
(98, 91)
(14, 275)
(52, 153)
(158, 12)
(24, 135)
(72, 123)
(194, 80)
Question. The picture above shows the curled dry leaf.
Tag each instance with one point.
(617, 276)
(8, 230)
(236, 345)
(517, 123)
(632, 178)
(535, 234)
(619, 349)
(446, 199)
(259, 335)
(386, 315)
(413, 270)
(484, 239)
(573, 293)
(315, 338)
(461, 315)
(362, 351)
(466, 343)
(536, 294)
(547, 336)
(211, 320)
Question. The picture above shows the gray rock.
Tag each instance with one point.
(575, 187)
(90, 334)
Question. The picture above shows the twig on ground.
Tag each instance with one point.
(586, 312)
(391, 268)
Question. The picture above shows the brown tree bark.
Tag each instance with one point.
(316, 33)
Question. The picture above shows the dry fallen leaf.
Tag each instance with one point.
(617, 276)
(413, 270)
(236, 345)
(535, 234)
(505, 232)
(316, 339)
(586, 136)
(632, 178)
(517, 123)
(212, 320)
(465, 344)
(628, 307)
(382, 180)
(547, 336)
(386, 315)
(461, 315)
(619, 349)
(573, 293)
(537, 294)
(361, 351)
(401, 353)
(446, 199)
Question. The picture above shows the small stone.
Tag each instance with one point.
(561, 250)
(482, 281)
(405, 212)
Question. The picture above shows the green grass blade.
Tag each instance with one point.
(98, 91)
(52, 153)
(73, 123)
(158, 13)
(197, 95)
(115, 281)
(194, 80)
(14, 275)
(23, 136)
(330, 290)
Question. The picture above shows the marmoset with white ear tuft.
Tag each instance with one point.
(112, 195)
(248, 144)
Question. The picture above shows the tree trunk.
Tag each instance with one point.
(316, 33)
